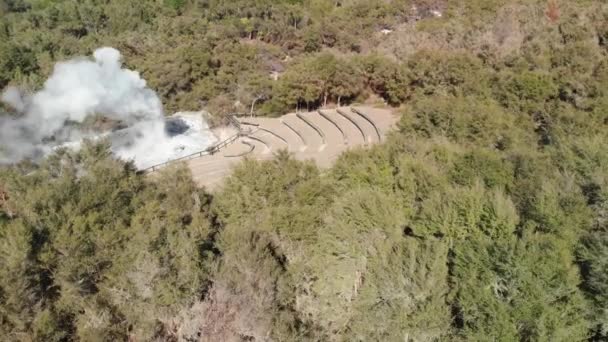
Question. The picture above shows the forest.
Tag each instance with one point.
(483, 217)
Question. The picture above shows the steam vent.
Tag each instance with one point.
(320, 136)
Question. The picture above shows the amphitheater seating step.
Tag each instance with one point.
(312, 140)
(351, 129)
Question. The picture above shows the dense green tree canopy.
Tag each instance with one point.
(483, 217)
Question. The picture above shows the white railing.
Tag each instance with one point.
(208, 151)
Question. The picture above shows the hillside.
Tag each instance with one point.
(482, 215)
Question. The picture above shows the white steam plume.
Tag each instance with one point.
(81, 88)
(12, 97)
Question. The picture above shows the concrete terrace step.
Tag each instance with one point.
(237, 149)
(333, 137)
(279, 130)
(274, 140)
(261, 147)
(353, 134)
(384, 123)
(321, 136)
(331, 122)
(366, 130)
(313, 141)
(334, 140)
(300, 145)
(367, 125)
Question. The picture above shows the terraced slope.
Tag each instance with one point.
(321, 136)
